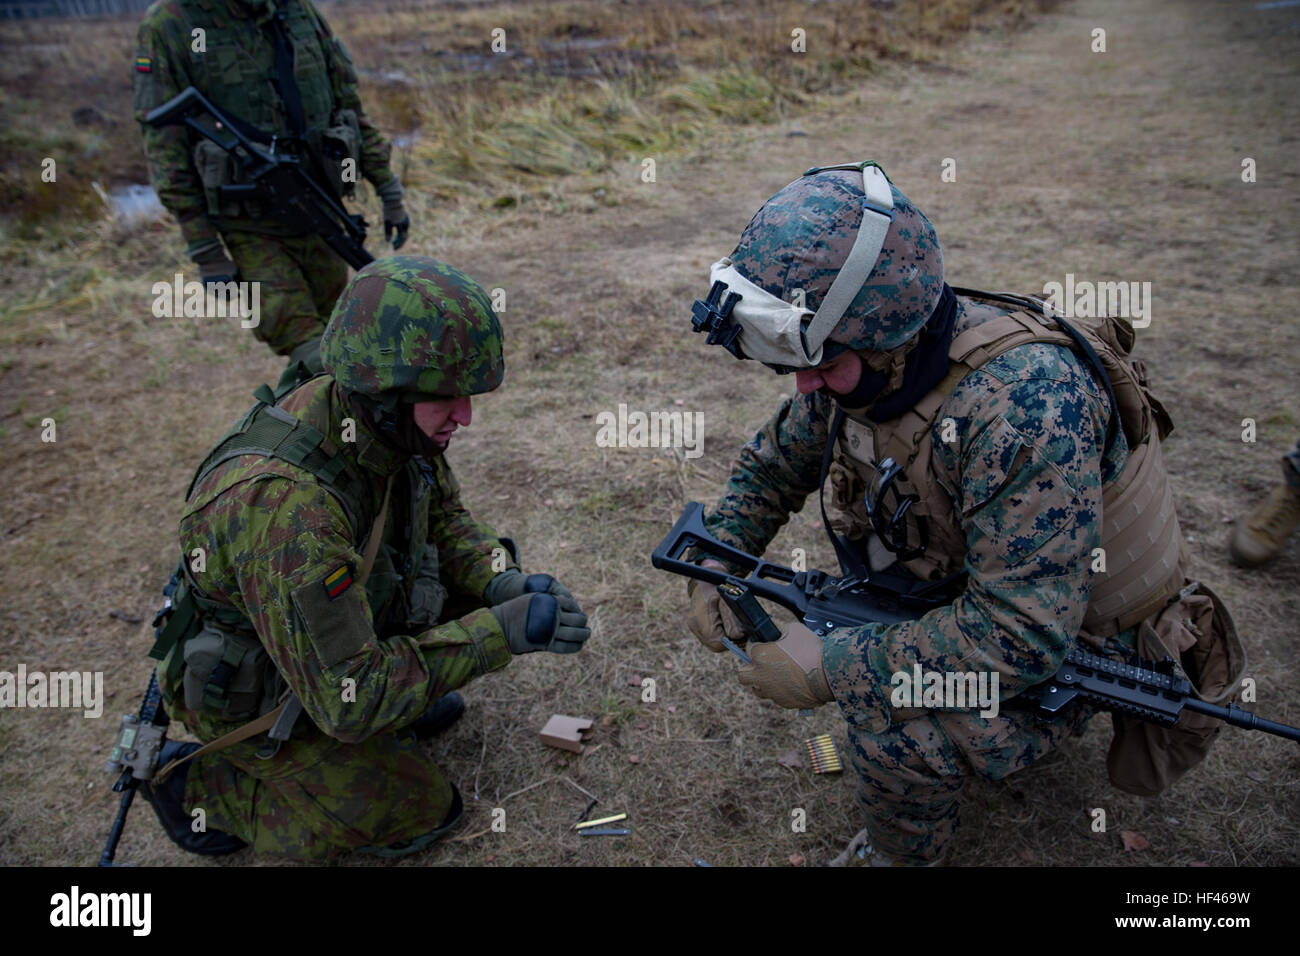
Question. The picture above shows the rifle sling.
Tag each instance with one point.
(284, 78)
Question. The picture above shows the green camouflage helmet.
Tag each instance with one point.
(799, 239)
(413, 326)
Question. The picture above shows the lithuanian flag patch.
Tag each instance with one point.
(143, 64)
(338, 581)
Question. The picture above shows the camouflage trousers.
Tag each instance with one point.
(382, 791)
(301, 278)
(911, 776)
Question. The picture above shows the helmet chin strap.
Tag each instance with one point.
(882, 374)
(393, 422)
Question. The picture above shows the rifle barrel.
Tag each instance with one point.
(1240, 717)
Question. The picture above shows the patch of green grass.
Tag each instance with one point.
(161, 372)
(621, 707)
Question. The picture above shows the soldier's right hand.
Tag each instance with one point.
(709, 618)
(215, 266)
(536, 622)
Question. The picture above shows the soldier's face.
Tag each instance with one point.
(439, 418)
(840, 374)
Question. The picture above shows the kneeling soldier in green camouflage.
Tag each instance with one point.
(330, 568)
(980, 455)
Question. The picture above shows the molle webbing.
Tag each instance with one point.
(1142, 544)
(1140, 534)
(272, 432)
(909, 441)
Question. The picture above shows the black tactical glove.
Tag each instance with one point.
(396, 222)
(214, 265)
(512, 583)
(534, 622)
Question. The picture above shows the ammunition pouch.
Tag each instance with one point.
(1196, 630)
(339, 143)
(229, 674)
(216, 168)
(409, 609)
(428, 595)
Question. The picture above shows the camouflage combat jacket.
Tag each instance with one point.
(281, 562)
(1025, 472)
(234, 67)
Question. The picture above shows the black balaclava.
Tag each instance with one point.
(885, 390)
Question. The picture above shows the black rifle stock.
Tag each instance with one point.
(821, 601)
(290, 193)
(1143, 689)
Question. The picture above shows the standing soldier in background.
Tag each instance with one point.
(274, 66)
(1259, 537)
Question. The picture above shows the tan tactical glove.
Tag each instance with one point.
(709, 618)
(789, 672)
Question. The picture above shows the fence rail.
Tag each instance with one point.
(30, 9)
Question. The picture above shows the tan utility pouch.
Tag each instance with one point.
(340, 152)
(229, 675)
(1198, 632)
(216, 169)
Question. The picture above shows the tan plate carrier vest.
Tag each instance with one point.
(1142, 544)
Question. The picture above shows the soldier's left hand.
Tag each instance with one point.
(512, 583)
(789, 672)
(397, 227)
(396, 222)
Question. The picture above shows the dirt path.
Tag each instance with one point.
(1122, 165)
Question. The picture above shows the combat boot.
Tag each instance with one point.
(442, 713)
(1261, 535)
(167, 800)
(860, 852)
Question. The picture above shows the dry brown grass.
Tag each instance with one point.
(580, 85)
(1068, 162)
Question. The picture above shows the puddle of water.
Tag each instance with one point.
(132, 203)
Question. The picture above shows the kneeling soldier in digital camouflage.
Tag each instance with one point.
(275, 67)
(979, 455)
(329, 563)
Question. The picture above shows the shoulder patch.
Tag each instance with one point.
(338, 581)
(143, 64)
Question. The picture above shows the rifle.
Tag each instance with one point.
(1150, 691)
(135, 756)
(290, 193)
